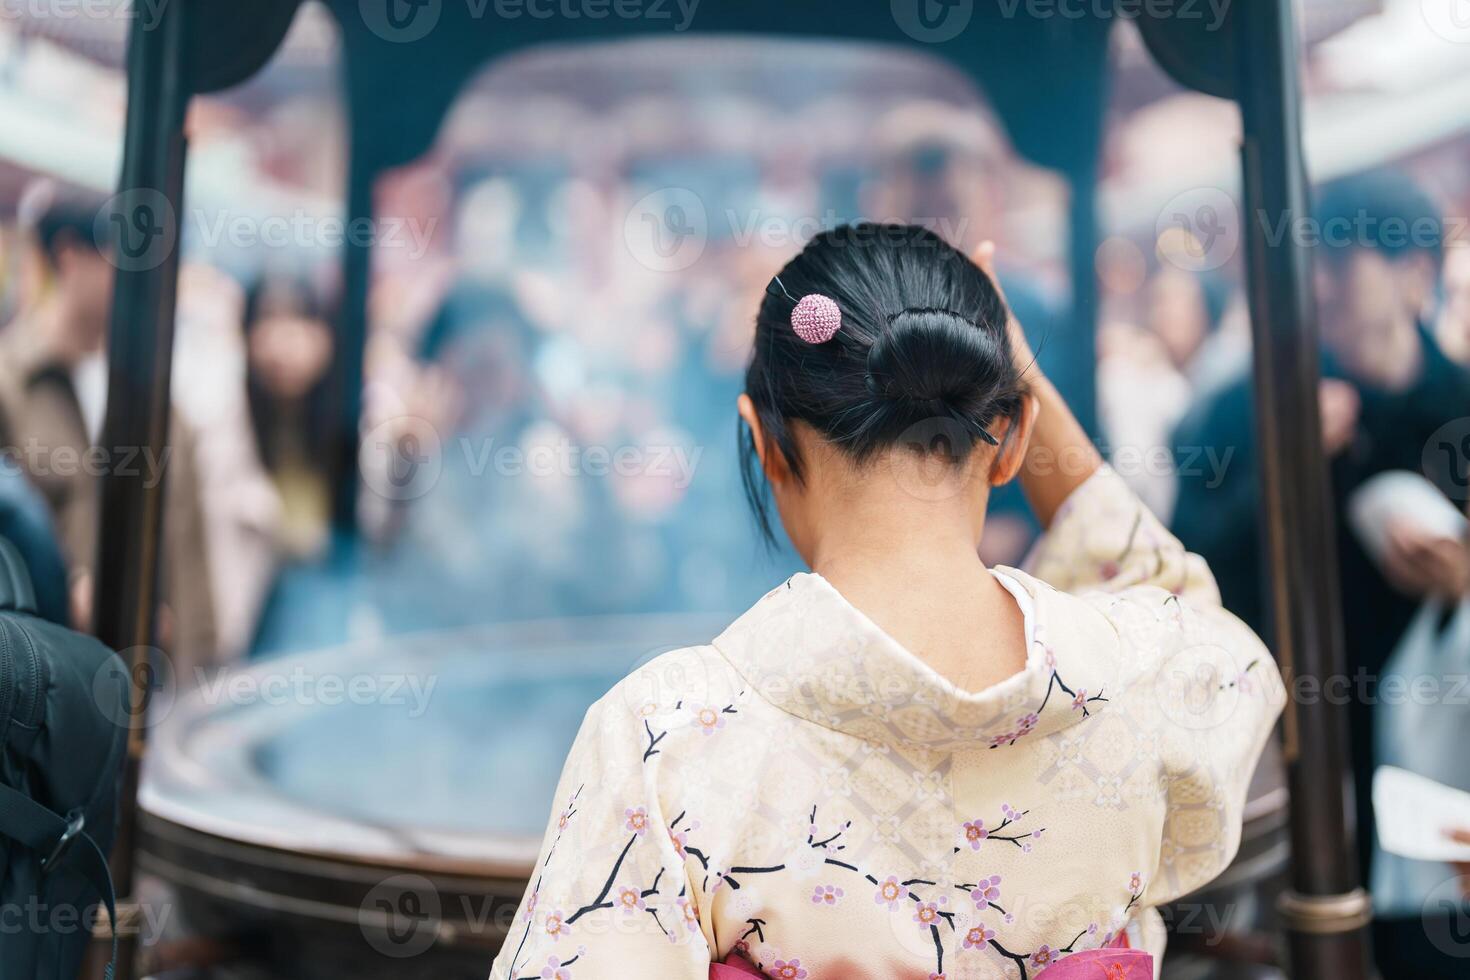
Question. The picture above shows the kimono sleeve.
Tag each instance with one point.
(1105, 539)
(1202, 691)
(1217, 693)
(609, 896)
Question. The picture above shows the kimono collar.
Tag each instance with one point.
(811, 653)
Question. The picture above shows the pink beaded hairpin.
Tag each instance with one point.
(815, 318)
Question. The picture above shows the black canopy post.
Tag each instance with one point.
(346, 371)
(142, 229)
(1325, 911)
(1081, 332)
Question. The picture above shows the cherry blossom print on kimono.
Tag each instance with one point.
(806, 793)
(1107, 963)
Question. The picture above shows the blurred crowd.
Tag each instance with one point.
(568, 382)
(592, 298)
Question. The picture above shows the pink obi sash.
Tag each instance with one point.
(1116, 962)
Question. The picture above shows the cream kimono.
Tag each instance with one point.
(807, 792)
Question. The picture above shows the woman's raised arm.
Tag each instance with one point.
(1099, 535)
(1061, 457)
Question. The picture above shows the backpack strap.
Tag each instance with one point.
(16, 591)
(60, 841)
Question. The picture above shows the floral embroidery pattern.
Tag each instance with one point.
(890, 892)
(1135, 891)
(630, 900)
(974, 832)
(680, 839)
(986, 893)
(788, 971)
(826, 895)
(557, 925)
(929, 912)
(690, 913)
(530, 913)
(707, 717)
(978, 937)
(1027, 722)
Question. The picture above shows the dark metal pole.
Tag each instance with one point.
(1082, 254)
(347, 366)
(1325, 910)
(143, 232)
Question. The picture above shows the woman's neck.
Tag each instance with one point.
(925, 547)
(901, 514)
(915, 572)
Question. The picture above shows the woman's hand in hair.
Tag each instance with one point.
(1061, 457)
(1021, 352)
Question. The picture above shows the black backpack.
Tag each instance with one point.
(63, 737)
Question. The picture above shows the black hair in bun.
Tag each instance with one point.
(923, 340)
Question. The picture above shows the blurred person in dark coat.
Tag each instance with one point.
(52, 399)
(1387, 387)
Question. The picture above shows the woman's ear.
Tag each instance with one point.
(1013, 444)
(773, 464)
